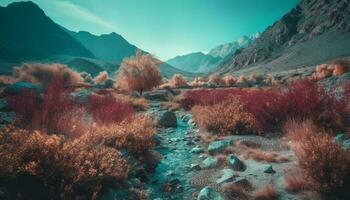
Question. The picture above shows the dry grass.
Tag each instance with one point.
(171, 106)
(234, 191)
(140, 104)
(294, 183)
(260, 155)
(47, 73)
(139, 73)
(7, 80)
(224, 118)
(267, 192)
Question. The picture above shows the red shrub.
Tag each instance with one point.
(46, 114)
(273, 107)
(105, 109)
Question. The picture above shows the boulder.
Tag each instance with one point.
(197, 150)
(226, 175)
(269, 170)
(168, 119)
(20, 87)
(218, 146)
(209, 162)
(235, 163)
(208, 193)
(7, 117)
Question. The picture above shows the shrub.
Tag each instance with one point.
(267, 192)
(53, 114)
(197, 82)
(105, 109)
(47, 73)
(139, 73)
(135, 135)
(136, 103)
(229, 80)
(341, 66)
(294, 183)
(177, 81)
(101, 78)
(216, 79)
(226, 117)
(56, 167)
(324, 164)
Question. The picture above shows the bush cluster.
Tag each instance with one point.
(271, 108)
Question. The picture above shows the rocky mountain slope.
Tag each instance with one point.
(314, 31)
(109, 47)
(200, 62)
(27, 33)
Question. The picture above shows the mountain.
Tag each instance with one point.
(230, 48)
(200, 62)
(313, 32)
(194, 62)
(27, 34)
(109, 47)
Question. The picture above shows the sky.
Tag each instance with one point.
(168, 28)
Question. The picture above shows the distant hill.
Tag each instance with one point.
(109, 47)
(200, 62)
(27, 34)
(194, 62)
(313, 32)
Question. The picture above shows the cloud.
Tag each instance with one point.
(79, 13)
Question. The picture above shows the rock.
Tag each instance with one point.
(243, 182)
(269, 170)
(209, 162)
(7, 117)
(197, 150)
(19, 87)
(340, 138)
(175, 139)
(227, 175)
(82, 96)
(235, 163)
(168, 119)
(186, 118)
(195, 167)
(346, 144)
(218, 146)
(3, 104)
(208, 193)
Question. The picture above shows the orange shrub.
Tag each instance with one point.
(139, 73)
(294, 183)
(47, 73)
(135, 135)
(341, 67)
(324, 164)
(229, 80)
(225, 117)
(197, 82)
(177, 81)
(140, 104)
(101, 78)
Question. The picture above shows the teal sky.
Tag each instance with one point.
(168, 28)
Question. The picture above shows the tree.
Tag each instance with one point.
(139, 73)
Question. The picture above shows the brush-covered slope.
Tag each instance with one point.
(314, 31)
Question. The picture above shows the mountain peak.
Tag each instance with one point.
(25, 8)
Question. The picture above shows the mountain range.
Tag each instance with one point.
(200, 62)
(313, 32)
(31, 36)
